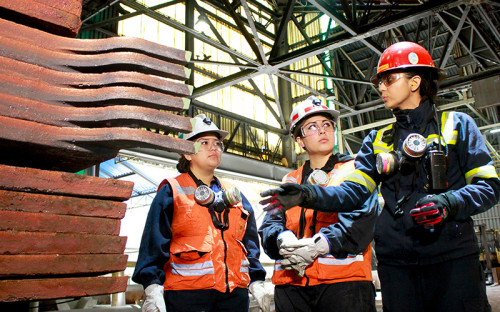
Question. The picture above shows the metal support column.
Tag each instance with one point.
(189, 39)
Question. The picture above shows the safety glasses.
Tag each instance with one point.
(389, 79)
(315, 127)
(208, 145)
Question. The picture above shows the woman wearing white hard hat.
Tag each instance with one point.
(200, 249)
(323, 261)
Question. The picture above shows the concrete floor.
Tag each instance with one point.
(494, 297)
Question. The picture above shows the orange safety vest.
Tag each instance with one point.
(202, 256)
(325, 269)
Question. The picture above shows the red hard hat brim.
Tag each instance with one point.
(441, 74)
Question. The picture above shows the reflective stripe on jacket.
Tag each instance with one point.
(325, 269)
(449, 137)
(202, 256)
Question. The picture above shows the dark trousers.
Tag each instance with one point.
(207, 300)
(455, 285)
(338, 297)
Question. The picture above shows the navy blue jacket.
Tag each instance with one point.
(155, 243)
(471, 178)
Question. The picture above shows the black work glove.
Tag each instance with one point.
(288, 195)
(432, 210)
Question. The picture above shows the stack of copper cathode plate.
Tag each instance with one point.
(65, 105)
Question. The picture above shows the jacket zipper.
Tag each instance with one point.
(225, 261)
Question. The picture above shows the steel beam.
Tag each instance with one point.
(173, 23)
(323, 62)
(441, 18)
(236, 117)
(242, 29)
(282, 29)
(455, 37)
(344, 24)
(343, 39)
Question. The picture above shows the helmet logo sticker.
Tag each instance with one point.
(413, 58)
(383, 67)
(308, 109)
(207, 120)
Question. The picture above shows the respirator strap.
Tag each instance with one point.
(398, 211)
(220, 219)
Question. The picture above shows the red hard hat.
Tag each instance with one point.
(403, 55)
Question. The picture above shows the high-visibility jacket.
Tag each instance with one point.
(470, 175)
(325, 269)
(202, 256)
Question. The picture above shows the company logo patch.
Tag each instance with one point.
(383, 67)
(413, 58)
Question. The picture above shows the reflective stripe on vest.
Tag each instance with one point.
(196, 269)
(331, 260)
(244, 266)
(198, 257)
(328, 260)
(325, 269)
(290, 179)
(188, 190)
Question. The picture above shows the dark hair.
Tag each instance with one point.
(429, 82)
(183, 164)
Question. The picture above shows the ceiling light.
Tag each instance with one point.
(202, 25)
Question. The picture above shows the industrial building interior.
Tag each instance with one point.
(254, 60)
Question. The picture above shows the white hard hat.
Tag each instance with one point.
(202, 124)
(308, 107)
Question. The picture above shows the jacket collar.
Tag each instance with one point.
(332, 161)
(416, 117)
(198, 182)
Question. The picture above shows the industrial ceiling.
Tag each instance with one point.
(462, 36)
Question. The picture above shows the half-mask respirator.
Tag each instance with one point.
(219, 201)
(318, 177)
(414, 147)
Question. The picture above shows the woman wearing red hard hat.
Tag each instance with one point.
(434, 172)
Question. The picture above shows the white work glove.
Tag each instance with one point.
(286, 237)
(262, 294)
(301, 253)
(295, 262)
(154, 301)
